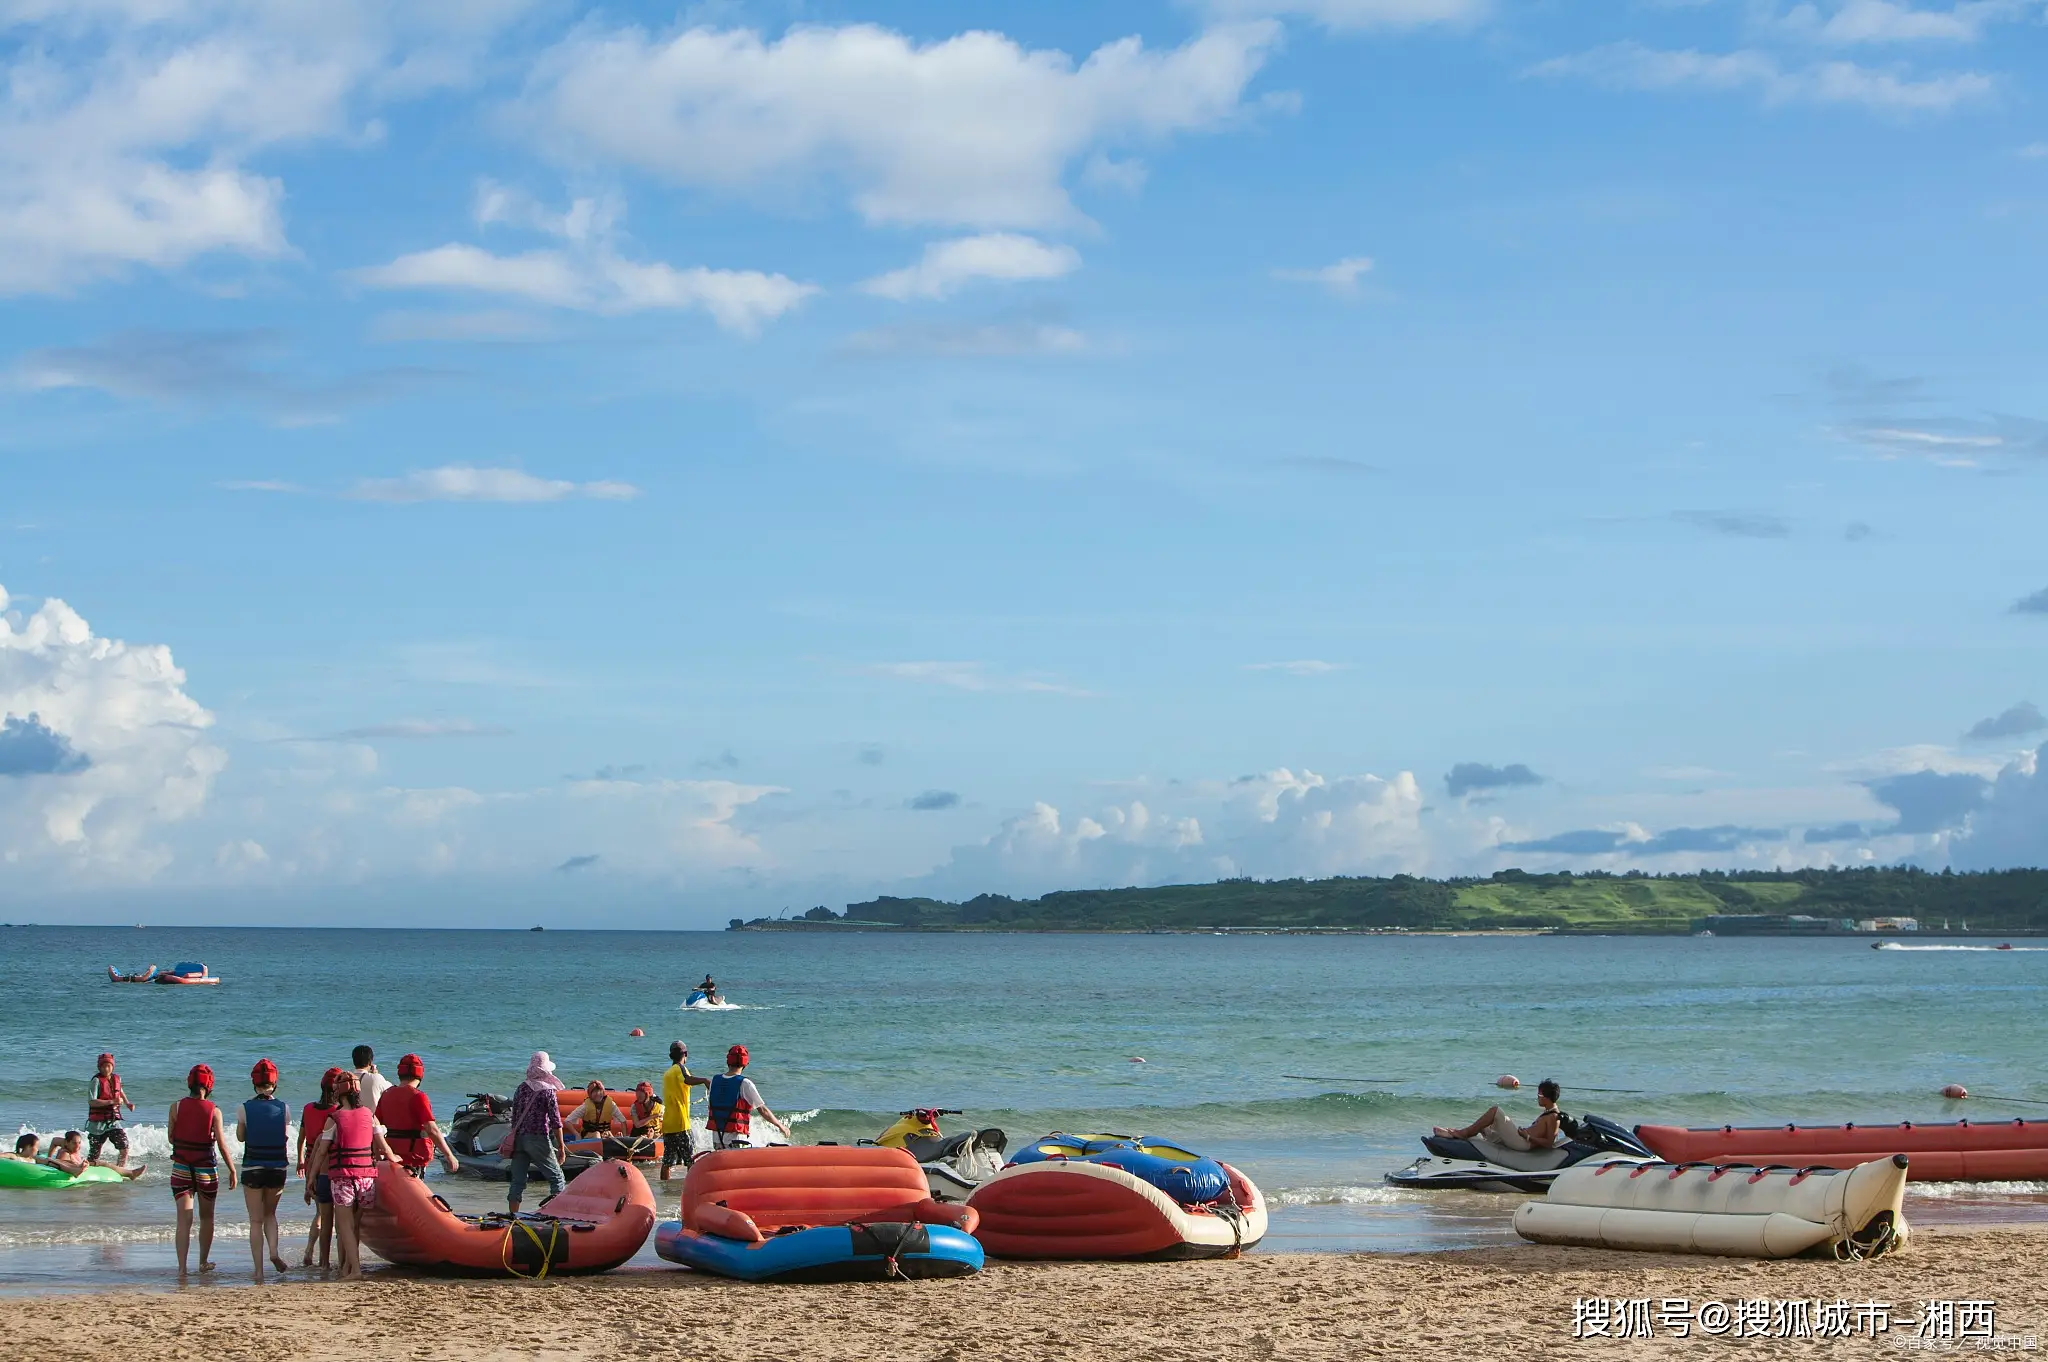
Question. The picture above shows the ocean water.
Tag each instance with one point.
(1313, 1063)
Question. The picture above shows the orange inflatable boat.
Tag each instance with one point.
(817, 1213)
(1075, 1209)
(600, 1220)
(1948, 1151)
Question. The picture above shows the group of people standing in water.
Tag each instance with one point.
(361, 1119)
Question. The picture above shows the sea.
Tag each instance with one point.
(1311, 1062)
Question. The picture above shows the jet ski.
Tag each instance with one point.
(954, 1165)
(1480, 1165)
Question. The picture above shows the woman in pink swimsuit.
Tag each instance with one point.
(350, 1145)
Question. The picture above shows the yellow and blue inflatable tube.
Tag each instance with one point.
(1189, 1178)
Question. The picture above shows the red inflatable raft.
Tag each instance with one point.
(1949, 1151)
(600, 1220)
(1073, 1209)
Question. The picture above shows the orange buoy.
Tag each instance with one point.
(1507, 1081)
(636, 1031)
(1955, 1091)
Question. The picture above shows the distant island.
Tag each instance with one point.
(1796, 902)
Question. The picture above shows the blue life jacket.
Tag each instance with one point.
(730, 1113)
(263, 1122)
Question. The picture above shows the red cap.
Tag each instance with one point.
(201, 1078)
(106, 1057)
(644, 1088)
(345, 1080)
(412, 1066)
(594, 1085)
(327, 1081)
(736, 1058)
(264, 1075)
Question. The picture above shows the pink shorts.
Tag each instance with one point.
(358, 1191)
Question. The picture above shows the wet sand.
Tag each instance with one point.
(1516, 1301)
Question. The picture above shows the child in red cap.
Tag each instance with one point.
(196, 1135)
(408, 1120)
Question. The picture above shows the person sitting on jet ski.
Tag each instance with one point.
(709, 988)
(1540, 1133)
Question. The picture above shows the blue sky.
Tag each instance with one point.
(650, 464)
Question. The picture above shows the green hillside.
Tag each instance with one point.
(2014, 900)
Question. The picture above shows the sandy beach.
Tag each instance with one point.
(1485, 1303)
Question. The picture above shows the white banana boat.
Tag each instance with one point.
(1734, 1210)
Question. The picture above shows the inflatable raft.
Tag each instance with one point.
(1947, 1151)
(817, 1213)
(597, 1222)
(1090, 1209)
(186, 972)
(1185, 1176)
(1734, 1210)
(42, 1177)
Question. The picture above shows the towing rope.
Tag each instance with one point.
(546, 1249)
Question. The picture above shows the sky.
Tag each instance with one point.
(505, 460)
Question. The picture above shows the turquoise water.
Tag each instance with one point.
(1034, 1033)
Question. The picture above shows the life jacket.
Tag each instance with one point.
(192, 1132)
(647, 1124)
(404, 1113)
(105, 1102)
(731, 1112)
(263, 1121)
(595, 1122)
(312, 1120)
(355, 1130)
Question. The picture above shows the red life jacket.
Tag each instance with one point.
(104, 1105)
(404, 1113)
(354, 1131)
(312, 1120)
(192, 1132)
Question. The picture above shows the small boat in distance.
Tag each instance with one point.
(115, 976)
(187, 972)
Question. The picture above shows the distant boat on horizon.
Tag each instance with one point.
(536, 929)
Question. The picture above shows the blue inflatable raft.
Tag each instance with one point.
(1187, 1177)
(828, 1253)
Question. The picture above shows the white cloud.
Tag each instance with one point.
(425, 728)
(597, 280)
(1362, 15)
(974, 676)
(127, 129)
(971, 340)
(137, 757)
(1279, 824)
(461, 483)
(946, 265)
(1633, 66)
(974, 130)
(1307, 666)
(1340, 278)
(691, 821)
(1885, 21)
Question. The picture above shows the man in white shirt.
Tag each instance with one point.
(373, 1083)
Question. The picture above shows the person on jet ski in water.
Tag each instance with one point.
(1540, 1133)
(709, 988)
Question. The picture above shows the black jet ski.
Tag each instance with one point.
(480, 1125)
(1480, 1165)
(954, 1165)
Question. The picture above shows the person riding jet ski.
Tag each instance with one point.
(1495, 1155)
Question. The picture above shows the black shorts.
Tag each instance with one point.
(675, 1149)
(102, 1134)
(263, 1179)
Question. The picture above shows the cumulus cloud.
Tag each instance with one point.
(1280, 823)
(1363, 15)
(696, 823)
(1340, 278)
(1931, 801)
(973, 130)
(459, 483)
(932, 800)
(2009, 827)
(128, 132)
(102, 743)
(1633, 66)
(2017, 721)
(29, 747)
(1470, 777)
(946, 266)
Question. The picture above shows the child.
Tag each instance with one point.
(103, 1102)
(347, 1153)
(319, 1192)
(196, 1134)
(265, 1163)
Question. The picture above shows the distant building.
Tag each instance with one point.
(1771, 924)
(1888, 924)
